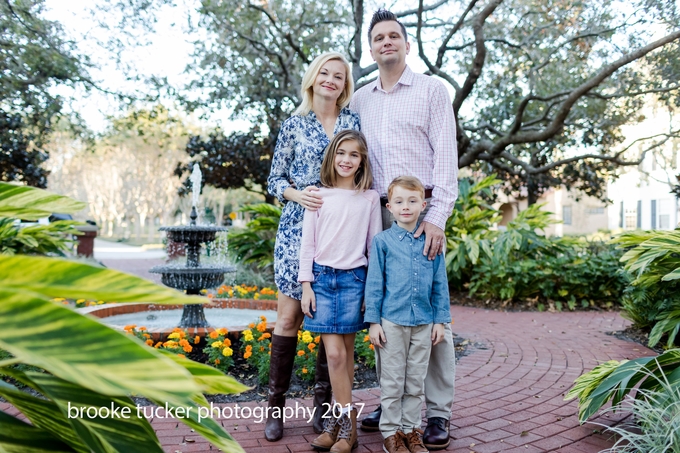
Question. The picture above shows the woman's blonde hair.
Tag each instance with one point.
(307, 89)
(363, 178)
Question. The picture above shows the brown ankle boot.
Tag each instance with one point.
(329, 436)
(280, 370)
(322, 390)
(347, 436)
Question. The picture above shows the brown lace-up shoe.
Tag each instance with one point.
(347, 436)
(395, 444)
(329, 436)
(414, 442)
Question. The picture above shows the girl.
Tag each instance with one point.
(326, 91)
(333, 258)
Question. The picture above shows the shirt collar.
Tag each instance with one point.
(400, 232)
(405, 79)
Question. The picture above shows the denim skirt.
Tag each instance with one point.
(339, 295)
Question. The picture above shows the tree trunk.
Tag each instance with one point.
(152, 230)
(219, 218)
(532, 190)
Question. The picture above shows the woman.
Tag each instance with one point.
(327, 87)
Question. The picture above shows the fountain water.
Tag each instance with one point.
(194, 277)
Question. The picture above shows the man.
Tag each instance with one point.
(410, 128)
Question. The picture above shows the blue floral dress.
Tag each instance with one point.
(297, 161)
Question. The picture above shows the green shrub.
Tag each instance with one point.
(653, 300)
(656, 425)
(614, 380)
(521, 263)
(23, 202)
(566, 272)
(52, 239)
(254, 244)
(469, 230)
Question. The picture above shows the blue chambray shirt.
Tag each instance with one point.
(402, 285)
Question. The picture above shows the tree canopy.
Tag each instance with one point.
(231, 161)
(34, 59)
(540, 89)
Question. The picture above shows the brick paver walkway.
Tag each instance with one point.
(509, 389)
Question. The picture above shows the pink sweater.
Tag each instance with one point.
(339, 234)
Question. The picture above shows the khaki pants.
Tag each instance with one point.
(404, 360)
(441, 372)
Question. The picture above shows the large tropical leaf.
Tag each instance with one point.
(20, 437)
(211, 380)
(43, 414)
(41, 333)
(654, 256)
(669, 323)
(89, 364)
(613, 381)
(83, 351)
(54, 277)
(29, 203)
(102, 434)
(208, 428)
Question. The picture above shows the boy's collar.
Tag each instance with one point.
(401, 232)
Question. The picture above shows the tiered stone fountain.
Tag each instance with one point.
(194, 277)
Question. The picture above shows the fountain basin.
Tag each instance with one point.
(193, 279)
(249, 308)
(192, 233)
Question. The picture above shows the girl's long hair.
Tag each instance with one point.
(307, 89)
(363, 178)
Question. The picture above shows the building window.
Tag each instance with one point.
(665, 214)
(631, 219)
(566, 215)
(595, 210)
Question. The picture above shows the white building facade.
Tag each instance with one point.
(642, 198)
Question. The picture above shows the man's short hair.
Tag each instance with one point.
(383, 15)
(408, 183)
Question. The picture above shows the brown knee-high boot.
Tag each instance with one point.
(280, 370)
(322, 390)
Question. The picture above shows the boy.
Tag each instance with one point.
(407, 305)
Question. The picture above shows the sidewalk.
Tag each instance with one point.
(509, 388)
(129, 258)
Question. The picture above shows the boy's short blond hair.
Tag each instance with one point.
(408, 183)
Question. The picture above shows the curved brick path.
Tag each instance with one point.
(509, 388)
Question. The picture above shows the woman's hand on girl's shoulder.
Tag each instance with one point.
(309, 198)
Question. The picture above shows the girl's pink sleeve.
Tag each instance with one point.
(308, 246)
(375, 222)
